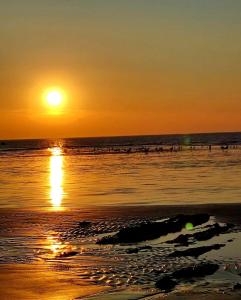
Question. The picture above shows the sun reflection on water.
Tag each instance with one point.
(56, 177)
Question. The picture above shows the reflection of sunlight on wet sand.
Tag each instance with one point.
(57, 248)
(42, 283)
(56, 178)
(54, 245)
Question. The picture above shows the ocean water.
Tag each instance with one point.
(151, 170)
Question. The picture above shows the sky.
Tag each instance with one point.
(125, 67)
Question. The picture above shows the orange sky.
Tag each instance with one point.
(127, 67)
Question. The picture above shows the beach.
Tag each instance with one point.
(120, 150)
(49, 261)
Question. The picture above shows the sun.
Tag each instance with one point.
(54, 97)
(54, 100)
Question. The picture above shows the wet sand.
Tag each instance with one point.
(62, 277)
(38, 282)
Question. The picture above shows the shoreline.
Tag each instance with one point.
(222, 211)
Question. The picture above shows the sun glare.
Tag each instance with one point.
(54, 98)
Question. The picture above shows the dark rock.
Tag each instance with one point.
(181, 239)
(196, 251)
(137, 249)
(215, 230)
(201, 270)
(166, 284)
(84, 223)
(68, 254)
(153, 230)
(212, 231)
(237, 286)
(132, 250)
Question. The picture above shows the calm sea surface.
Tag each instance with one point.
(75, 173)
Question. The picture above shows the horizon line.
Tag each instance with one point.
(119, 136)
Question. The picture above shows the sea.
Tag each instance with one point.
(120, 171)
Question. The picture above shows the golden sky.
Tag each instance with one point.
(126, 67)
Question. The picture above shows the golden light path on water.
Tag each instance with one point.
(56, 178)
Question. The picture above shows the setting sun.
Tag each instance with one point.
(54, 98)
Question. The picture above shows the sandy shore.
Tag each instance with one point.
(43, 281)
(28, 282)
